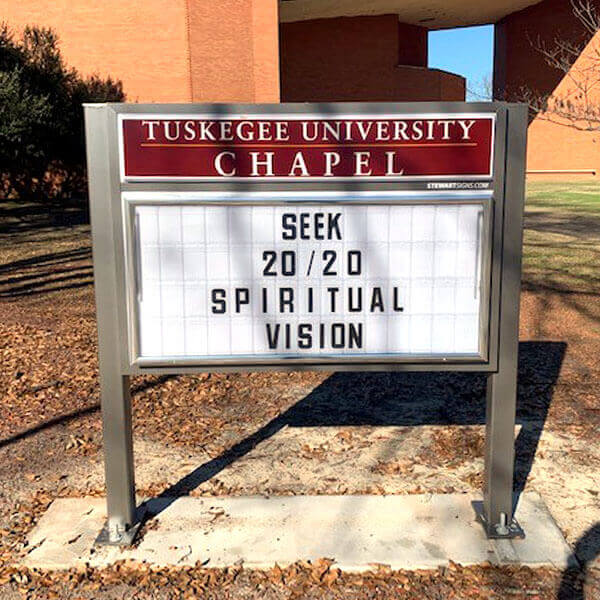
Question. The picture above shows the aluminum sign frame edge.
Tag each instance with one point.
(132, 200)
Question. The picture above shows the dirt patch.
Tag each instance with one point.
(453, 446)
(302, 580)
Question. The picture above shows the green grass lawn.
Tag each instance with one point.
(562, 237)
(569, 197)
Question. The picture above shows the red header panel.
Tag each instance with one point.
(200, 147)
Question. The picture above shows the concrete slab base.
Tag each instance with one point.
(358, 532)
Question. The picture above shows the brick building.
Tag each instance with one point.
(311, 51)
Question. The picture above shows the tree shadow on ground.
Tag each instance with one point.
(408, 399)
(27, 217)
(584, 226)
(573, 581)
(63, 419)
(54, 225)
(45, 273)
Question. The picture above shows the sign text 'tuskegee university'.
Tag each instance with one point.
(307, 147)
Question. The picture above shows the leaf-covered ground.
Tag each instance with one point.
(298, 433)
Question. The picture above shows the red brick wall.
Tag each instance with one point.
(142, 43)
(518, 63)
(234, 50)
(359, 59)
(166, 50)
(412, 45)
(553, 147)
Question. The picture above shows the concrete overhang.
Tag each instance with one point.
(433, 14)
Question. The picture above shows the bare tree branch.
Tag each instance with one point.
(482, 88)
(577, 106)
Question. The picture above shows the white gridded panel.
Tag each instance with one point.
(428, 253)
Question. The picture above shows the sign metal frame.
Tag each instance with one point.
(113, 267)
(132, 200)
(297, 116)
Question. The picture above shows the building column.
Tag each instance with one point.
(234, 50)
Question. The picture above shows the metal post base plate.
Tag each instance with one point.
(511, 531)
(125, 538)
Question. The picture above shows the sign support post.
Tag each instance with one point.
(123, 522)
(501, 395)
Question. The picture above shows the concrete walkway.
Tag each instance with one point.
(358, 532)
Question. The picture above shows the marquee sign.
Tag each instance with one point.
(221, 277)
(292, 147)
(292, 236)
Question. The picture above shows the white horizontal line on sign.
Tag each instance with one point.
(296, 196)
